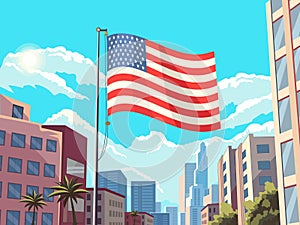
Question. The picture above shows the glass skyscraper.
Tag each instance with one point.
(143, 196)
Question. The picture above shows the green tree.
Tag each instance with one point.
(34, 201)
(134, 214)
(68, 191)
(227, 216)
(264, 210)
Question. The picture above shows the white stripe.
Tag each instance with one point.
(169, 72)
(163, 83)
(181, 62)
(163, 111)
(173, 101)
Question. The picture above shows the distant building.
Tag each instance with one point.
(189, 177)
(213, 195)
(34, 157)
(208, 212)
(143, 196)
(115, 181)
(158, 207)
(161, 218)
(182, 218)
(255, 165)
(110, 207)
(283, 18)
(130, 220)
(173, 211)
(147, 219)
(227, 178)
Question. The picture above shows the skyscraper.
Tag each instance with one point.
(201, 173)
(173, 211)
(283, 19)
(158, 207)
(115, 181)
(161, 218)
(143, 196)
(189, 177)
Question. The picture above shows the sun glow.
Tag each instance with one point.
(30, 60)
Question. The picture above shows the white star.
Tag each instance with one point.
(123, 63)
(114, 64)
(118, 36)
(127, 37)
(118, 63)
(122, 53)
(121, 41)
(125, 59)
(138, 66)
(122, 36)
(142, 40)
(143, 67)
(114, 37)
(121, 59)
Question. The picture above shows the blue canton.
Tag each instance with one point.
(125, 50)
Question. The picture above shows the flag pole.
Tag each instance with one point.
(95, 194)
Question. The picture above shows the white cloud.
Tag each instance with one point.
(250, 93)
(41, 67)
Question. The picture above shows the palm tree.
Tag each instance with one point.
(134, 214)
(68, 190)
(34, 201)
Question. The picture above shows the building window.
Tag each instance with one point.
(2, 137)
(291, 205)
(14, 191)
(295, 21)
(36, 143)
(224, 166)
(225, 178)
(13, 217)
(275, 5)
(51, 146)
(264, 179)
(30, 189)
(263, 148)
(225, 191)
(0, 189)
(48, 191)
(18, 140)
(0, 162)
(244, 154)
(246, 193)
(28, 218)
(88, 196)
(297, 64)
(88, 208)
(278, 33)
(245, 179)
(288, 160)
(285, 122)
(244, 166)
(88, 220)
(17, 112)
(264, 165)
(49, 170)
(281, 73)
(33, 168)
(47, 219)
(14, 165)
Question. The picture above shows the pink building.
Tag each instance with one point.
(31, 158)
(208, 212)
(147, 219)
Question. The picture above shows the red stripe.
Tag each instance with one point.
(181, 69)
(196, 57)
(152, 114)
(167, 92)
(181, 83)
(163, 104)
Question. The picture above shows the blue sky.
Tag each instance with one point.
(236, 31)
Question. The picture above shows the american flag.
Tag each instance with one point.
(177, 88)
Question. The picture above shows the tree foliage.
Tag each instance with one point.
(264, 210)
(227, 216)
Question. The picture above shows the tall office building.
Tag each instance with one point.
(201, 173)
(188, 177)
(143, 196)
(213, 195)
(115, 181)
(161, 218)
(284, 49)
(227, 178)
(182, 218)
(173, 211)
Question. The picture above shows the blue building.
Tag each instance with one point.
(158, 207)
(189, 177)
(115, 181)
(143, 196)
(161, 218)
(173, 211)
(182, 218)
